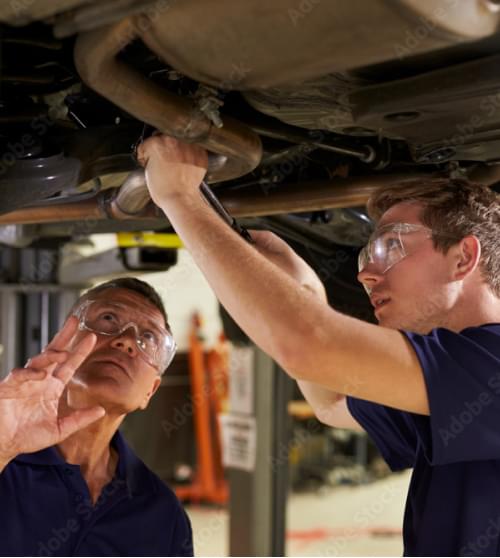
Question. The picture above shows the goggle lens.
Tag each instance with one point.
(156, 344)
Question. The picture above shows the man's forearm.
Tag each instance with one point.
(310, 340)
(329, 407)
(320, 398)
(266, 302)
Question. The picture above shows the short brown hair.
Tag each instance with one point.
(132, 284)
(453, 208)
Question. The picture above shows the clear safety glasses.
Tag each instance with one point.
(389, 244)
(156, 344)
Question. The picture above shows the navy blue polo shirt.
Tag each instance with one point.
(453, 504)
(45, 510)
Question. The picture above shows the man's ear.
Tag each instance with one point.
(151, 392)
(467, 256)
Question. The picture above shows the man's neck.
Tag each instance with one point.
(483, 309)
(90, 448)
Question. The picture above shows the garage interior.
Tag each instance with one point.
(290, 485)
(297, 142)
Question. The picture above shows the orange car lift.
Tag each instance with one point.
(208, 386)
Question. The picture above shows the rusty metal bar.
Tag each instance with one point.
(274, 200)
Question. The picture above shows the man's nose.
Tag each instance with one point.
(369, 277)
(126, 341)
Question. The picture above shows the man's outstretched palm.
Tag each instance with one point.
(29, 397)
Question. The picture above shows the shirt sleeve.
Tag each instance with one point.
(391, 430)
(462, 378)
(183, 535)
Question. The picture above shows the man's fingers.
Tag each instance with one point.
(141, 155)
(144, 149)
(79, 419)
(64, 336)
(78, 354)
(46, 359)
(172, 150)
(28, 374)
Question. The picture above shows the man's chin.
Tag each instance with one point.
(406, 325)
(391, 323)
(386, 322)
(98, 390)
(99, 385)
(385, 319)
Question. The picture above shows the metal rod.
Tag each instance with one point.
(268, 200)
(293, 134)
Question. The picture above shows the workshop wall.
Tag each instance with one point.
(184, 290)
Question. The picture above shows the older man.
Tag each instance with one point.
(425, 382)
(69, 484)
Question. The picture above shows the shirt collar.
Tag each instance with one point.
(130, 467)
(489, 325)
(48, 456)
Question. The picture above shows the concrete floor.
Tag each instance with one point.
(342, 521)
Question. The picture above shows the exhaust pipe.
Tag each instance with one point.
(132, 200)
(96, 59)
(132, 197)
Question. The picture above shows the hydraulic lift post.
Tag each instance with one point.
(258, 497)
(33, 305)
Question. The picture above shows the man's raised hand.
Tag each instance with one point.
(172, 167)
(29, 397)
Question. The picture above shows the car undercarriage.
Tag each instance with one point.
(305, 108)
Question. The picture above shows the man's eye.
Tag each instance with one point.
(107, 317)
(391, 243)
(149, 336)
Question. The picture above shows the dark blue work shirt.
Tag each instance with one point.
(45, 510)
(453, 505)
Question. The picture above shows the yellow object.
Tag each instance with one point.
(148, 239)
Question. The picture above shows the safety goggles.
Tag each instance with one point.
(389, 244)
(156, 345)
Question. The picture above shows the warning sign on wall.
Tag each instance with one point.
(239, 441)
